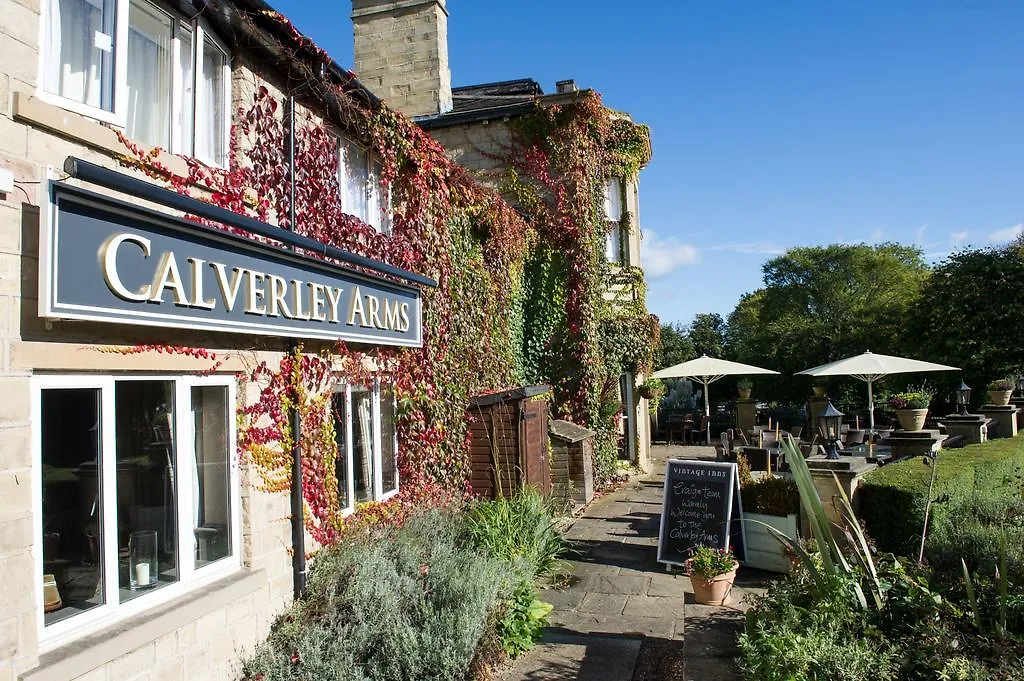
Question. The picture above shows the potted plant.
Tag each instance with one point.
(999, 391)
(911, 407)
(770, 501)
(712, 572)
(819, 385)
(744, 386)
(651, 389)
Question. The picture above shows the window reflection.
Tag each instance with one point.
(388, 463)
(362, 442)
(211, 482)
(342, 463)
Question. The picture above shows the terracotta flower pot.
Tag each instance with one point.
(714, 590)
(1001, 397)
(911, 419)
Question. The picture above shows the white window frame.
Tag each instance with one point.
(375, 439)
(119, 116)
(379, 201)
(190, 578)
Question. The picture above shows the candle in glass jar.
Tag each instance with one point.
(142, 574)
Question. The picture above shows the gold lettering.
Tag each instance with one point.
(356, 307)
(297, 299)
(334, 295)
(168, 276)
(404, 315)
(228, 292)
(108, 255)
(197, 285)
(390, 315)
(374, 306)
(255, 291)
(278, 290)
(317, 302)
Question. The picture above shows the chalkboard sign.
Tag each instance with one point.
(701, 507)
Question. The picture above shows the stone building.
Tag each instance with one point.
(133, 542)
(401, 53)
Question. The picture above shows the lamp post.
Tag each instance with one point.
(963, 396)
(829, 423)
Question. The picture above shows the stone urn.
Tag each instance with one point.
(744, 393)
(819, 390)
(713, 590)
(911, 419)
(1000, 397)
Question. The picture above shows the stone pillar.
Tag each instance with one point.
(1004, 419)
(1019, 403)
(401, 53)
(746, 413)
(907, 443)
(849, 470)
(974, 427)
(815, 405)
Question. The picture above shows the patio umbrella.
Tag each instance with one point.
(870, 367)
(707, 370)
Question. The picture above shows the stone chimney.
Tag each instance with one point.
(401, 53)
(565, 86)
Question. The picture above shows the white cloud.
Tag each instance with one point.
(1008, 234)
(660, 256)
(754, 247)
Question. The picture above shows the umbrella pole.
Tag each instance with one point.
(871, 412)
(707, 412)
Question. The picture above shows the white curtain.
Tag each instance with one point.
(613, 245)
(149, 76)
(366, 440)
(355, 180)
(210, 141)
(78, 50)
(186, 103)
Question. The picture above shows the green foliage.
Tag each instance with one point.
(522, 621)
(961, 322)
(916, 398)
(892, 498)
(1000, 384)
(675, 346)
(824, 303)
(710, 562)
(707, 333)
(412, 603)
(519, 530)
(770, 495)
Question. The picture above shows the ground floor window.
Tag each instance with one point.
(139, 494)
(364, 424)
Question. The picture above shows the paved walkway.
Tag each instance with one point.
(624, 617)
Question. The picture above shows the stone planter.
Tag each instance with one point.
(763, 550)
(713, 590)
(999, 397)
(911, 419)
(744, 393)
(819, 390)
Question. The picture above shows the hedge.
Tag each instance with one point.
(892, 498)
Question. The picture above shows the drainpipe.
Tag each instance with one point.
(294, 421)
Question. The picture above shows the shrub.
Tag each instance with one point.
(771, 495)
(522, 620)
(413, 604)
(892, 498)
(710, 562)
(519, 530)
(1000, 384)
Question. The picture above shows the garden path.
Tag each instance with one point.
(624, 617)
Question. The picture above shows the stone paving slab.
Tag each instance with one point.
(603, 603)
(593, 623)
(578, 658)
(654, 606)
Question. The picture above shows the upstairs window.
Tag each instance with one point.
(361, 194)
(613, 199)
(135, 64)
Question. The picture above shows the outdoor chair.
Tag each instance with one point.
(795, 431)
(854, 438)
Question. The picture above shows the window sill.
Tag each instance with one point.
(78, 128)
(78, 657)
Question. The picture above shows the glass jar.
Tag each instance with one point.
(142, 560)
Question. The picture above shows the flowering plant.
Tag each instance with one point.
(710, 562)
(744, 384)
(913, 399)
(1001, 384)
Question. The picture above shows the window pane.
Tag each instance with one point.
(613, 199)
(362, 443)
(187, 103)
(211, 482)
(388, 462)
(149, 75)
(356, 180)
(72, 494)
(210, 143)
(146, 479)
(79, 51)
(613, 245)
(341, 464)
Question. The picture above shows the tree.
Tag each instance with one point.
(823, 303)
(675, 347)
(971, 315)
(707, 334)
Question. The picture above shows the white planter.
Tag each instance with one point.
(763, 550)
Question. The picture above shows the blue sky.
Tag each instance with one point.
(774, 124)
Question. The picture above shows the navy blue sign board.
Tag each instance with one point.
(102, 259)
(701, 507)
